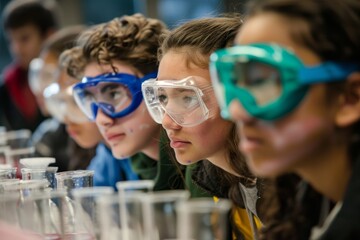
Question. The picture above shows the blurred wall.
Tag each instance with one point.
(172, 12)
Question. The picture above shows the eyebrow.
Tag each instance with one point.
(109, 86)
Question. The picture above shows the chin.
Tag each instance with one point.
(120, 154)
(266, 169)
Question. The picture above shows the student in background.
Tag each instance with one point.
(51, 139)
(27, 25)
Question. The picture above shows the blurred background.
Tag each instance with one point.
(172, 12)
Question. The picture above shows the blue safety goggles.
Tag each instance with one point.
(116, 94)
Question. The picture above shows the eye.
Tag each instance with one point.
(162, 96)
(113, 92)
(163, 99)
(88, 96)
(189, 101)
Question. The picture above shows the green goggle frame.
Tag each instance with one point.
(230, 76)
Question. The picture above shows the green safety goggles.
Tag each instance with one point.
(270, 81)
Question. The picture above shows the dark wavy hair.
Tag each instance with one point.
(332, 32)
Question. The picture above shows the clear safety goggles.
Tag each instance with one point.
(41, 75)
(270, 81)
(116, 94)
(182, 100)
(61, 104)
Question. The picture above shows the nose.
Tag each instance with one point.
(102, 120)
(169, 123)
(238, 112)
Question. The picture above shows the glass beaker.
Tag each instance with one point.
(159, 210)
(203, 219)
(87, 221)
(74, 179)
(111, 212)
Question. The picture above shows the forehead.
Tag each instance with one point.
(174, 65)
(94, 69)
(277, 29)
(25, 30)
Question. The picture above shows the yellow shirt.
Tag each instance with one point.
(242, 222)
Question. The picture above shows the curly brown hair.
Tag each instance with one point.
(133, 40)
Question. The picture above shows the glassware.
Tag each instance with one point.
(203, 219)
(37, 168)
(74, 179)
(9, 203)
(124, 187)
(87, 222)
(159, 210)
(112, 223)
(44, 213)
(7, 172)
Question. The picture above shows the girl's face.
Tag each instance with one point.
(86, 134)
(133, 133)
(301, 137)
(206, 140)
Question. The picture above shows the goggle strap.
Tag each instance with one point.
(327, 72)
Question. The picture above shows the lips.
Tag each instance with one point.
(178, 143)
(250, 143)
(114, 137)
(72, 132)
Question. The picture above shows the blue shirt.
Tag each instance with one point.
(110, 170)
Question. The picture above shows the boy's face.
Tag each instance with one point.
(25, 44)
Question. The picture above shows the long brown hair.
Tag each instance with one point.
(198, 39)
(331, 31)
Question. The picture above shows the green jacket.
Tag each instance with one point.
(166, 174)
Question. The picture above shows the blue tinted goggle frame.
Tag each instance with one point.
(132, 82)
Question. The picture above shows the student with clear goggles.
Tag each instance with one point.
(61, 104)
(182, 100)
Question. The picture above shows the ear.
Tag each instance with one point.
(349, 111)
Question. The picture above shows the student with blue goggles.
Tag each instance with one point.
(113, 60)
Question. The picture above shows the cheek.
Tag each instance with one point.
(299, 132)
(139, 122)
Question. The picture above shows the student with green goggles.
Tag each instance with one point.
(269, 80)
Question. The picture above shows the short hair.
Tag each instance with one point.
(19, 13)
(63, 39)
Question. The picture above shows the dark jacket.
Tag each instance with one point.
(18, 107)
(345, 225)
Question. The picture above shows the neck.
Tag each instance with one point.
(222, 161)
(328, 173)
(152, 150)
